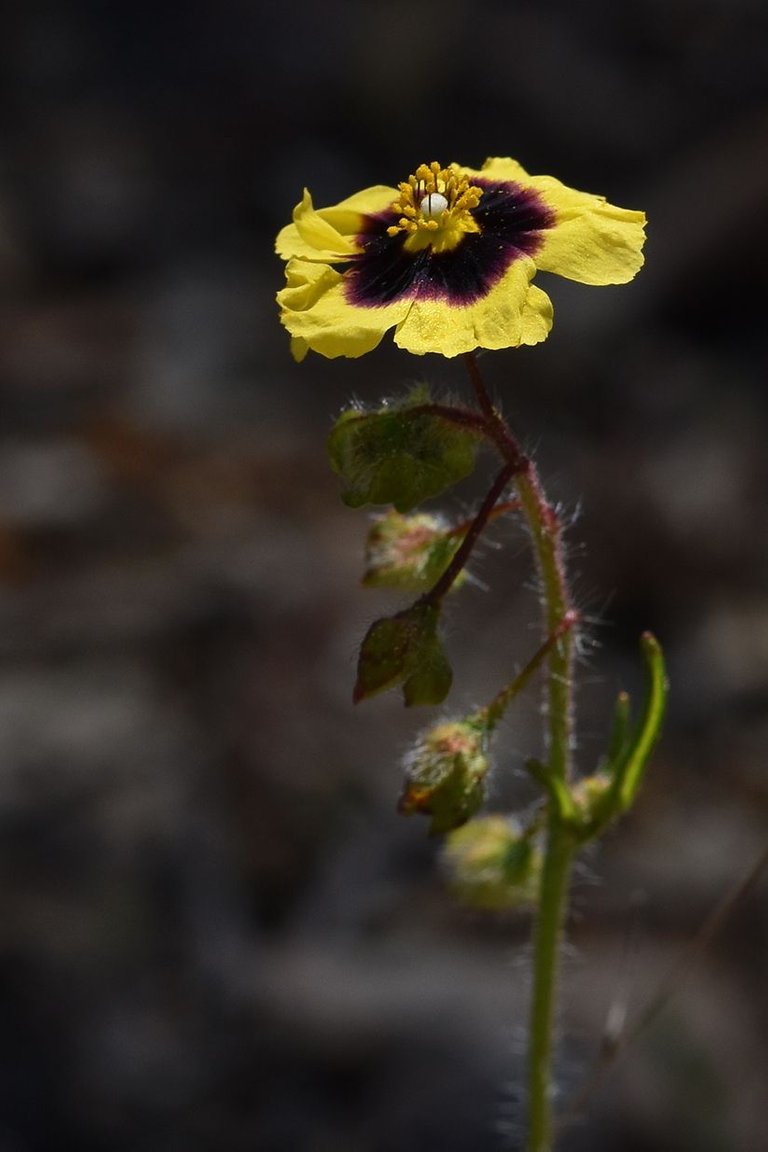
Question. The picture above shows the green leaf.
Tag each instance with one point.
(405, 649)
(400, 456)
(629, 771)
(631, 747)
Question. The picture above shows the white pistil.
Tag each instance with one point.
(433, 205)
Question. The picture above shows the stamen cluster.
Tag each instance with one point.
(433, 198)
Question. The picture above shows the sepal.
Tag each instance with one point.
(405, 649)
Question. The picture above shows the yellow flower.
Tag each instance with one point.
(447, 259)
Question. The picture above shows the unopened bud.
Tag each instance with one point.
(409, 552)
(491, 864)
(445, 774)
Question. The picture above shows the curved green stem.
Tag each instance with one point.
(546, 537)
(553, 898)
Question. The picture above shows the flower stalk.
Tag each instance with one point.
(550, 916)
(559, 619)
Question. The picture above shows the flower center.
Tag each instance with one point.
(435, 207)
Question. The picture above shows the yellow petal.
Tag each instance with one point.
(514, 312)
(346, 215)
(501, 168)
(317, 314)
(306, 282)
(312, 237)
(536, 320)
(328, 234)
(591, 240)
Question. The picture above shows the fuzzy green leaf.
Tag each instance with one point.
(400, 456)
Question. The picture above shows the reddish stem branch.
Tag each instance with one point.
(495, 427)
(462, 553)
(500, 509)
(464, 417)
(494, 711)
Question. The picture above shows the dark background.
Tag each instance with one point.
(216, 932)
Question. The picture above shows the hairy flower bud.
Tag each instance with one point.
(409, 552)
(445, 774)
(491, 864)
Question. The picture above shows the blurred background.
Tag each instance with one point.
(216, 932)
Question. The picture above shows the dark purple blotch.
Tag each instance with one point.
(511, 220)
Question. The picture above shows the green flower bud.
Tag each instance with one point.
(491, 864)
(409, 552)
(445, 774)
